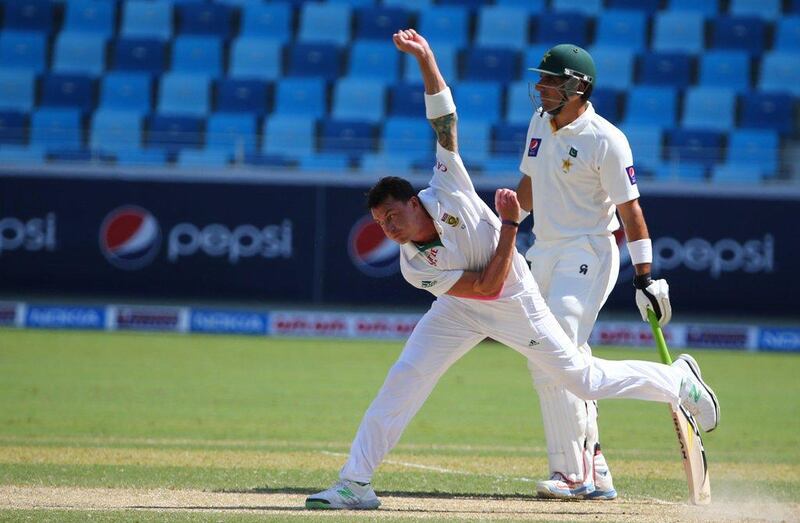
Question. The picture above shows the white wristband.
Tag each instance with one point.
(522, 215)
(439, 104)
(641, 251)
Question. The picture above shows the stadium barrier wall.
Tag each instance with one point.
(356, 325)
(295, 243)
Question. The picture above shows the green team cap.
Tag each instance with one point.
(568, 60)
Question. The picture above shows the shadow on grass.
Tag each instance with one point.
(392, 493)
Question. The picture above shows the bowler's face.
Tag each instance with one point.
(396, 219)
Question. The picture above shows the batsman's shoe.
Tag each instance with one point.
(696, 396)
(345, 494)
(559, 487)
(603, 484)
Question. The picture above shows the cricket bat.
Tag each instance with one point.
(691, 444)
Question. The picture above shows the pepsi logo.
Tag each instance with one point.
(130, 237)
(371, 251)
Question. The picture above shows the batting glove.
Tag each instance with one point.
(653, 294)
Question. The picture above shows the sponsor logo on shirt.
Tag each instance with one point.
(631, 174)
(427, 284)
(430, 256)
(573, 152)
(533, 148)
(450, 220)
(440, 166)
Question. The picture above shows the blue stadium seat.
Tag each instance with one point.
(204, 19)
(614, 66)
(679, 31)
(141, 157)
(448, 25)
(89, 17)
(382, 164)
(780, 72)
(509, 140)
(139, 55)
(793, 7)
(499, 165)
(762, 110)
(271, 20)
(694, 146)
(711, 108)
(648, 6)
(288, 135)
(374, 60)
(183, 94)
(622, 28)
(709, 8)
(490, 64)
(321, 60)
(533, 6)
(519, 106)
(735, 173)
(243, 96)
(725, 69)
(478, 101)
(564, 27)
(469, 4)
(197, 54)
(379, 23)
(324, 22)
(68, 90)
(17, 90)
(675, 171)
(322, 162)
(651, 105)
(787, 33)
(28, 15)
(672, 69)
(83, 53)
(112, 130)
(56, 128)
(173, 133)
(232, 132)
(21, 155)
(745, 33)
(343, 136)
(502, 26)
(645, 142)
(255, 57)
(406, 137)
(413, 5)
(126, 92)
(146, 19)
(203, 158)
(407, 99)
(270, 160)
(606, 103)
(446, 58)
(587, 7)
(301, 97)
(352, 3)
(13, 127)
(766, 9)
(474, 140)
(23, 50)
(359, 99)
(757, 149)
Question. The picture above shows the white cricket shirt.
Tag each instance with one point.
(579, 174)
(468, 233)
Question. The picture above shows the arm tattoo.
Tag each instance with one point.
(445, 127)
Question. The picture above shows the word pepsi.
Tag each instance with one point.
(243, 241)
(36, 234)
(725, 255)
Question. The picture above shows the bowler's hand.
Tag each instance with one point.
(507, 205)
(409, 41)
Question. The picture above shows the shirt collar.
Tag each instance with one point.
(577, 125)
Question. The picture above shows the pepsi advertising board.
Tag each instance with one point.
(304, 244)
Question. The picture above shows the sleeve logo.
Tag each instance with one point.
(533, 148)
(427, 284)
(631, 174)
(450, 220)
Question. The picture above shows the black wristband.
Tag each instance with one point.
(511, 223)
(641, 281)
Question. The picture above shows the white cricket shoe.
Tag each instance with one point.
(345, 494)
(696, 396)
(603, 483)
(559, 487)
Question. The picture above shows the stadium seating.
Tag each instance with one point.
(674, 69)
(255, 57)
(478, 101)
(408, 137)
(725, 69)
(490, 64)
(767, 9)
(732, 32)
(448, 25)
(606, 103)
(711, 108)
(289, 135)
(28, 15)
(81, 53)
(762, 110)
(173, 133)
(709, 8)
(62, 90)
(614, 67)
(140, 55)
(146, 19)
(509, 139)
(780, 72)
(519, 106)
(756, 149)
(564, 27)
(13, 127)
(787, 34)
(250, 96)
(321, 60)
(301, 97)
(346, 136)
(374, 60)
(23, 50)
(622, 29)
(587, 7)
(114, 129)
(126, 91)
(89, 17)
(234, 133)
(272, 21)
(379, 23)
(204, 19)
(197, 54)
(325, 22)
(679, 32)
(655, 105)
(359, 99)
(502, 27)
(646, 144)
(57, 128)
(17, 90)
(695, 147)
(184, 94)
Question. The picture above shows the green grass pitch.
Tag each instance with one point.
(264, 415)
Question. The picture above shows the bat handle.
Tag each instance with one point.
(658, 335)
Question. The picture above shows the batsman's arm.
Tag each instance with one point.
(635, 227)
(488, 283)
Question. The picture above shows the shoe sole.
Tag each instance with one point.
(569, 496)
(318, 504)
(695, 368)
(601, 495)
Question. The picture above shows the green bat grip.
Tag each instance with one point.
(658, 335)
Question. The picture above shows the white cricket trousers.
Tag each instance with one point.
(452, 327)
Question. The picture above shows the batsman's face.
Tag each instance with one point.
(550, 91)
(397, 219)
